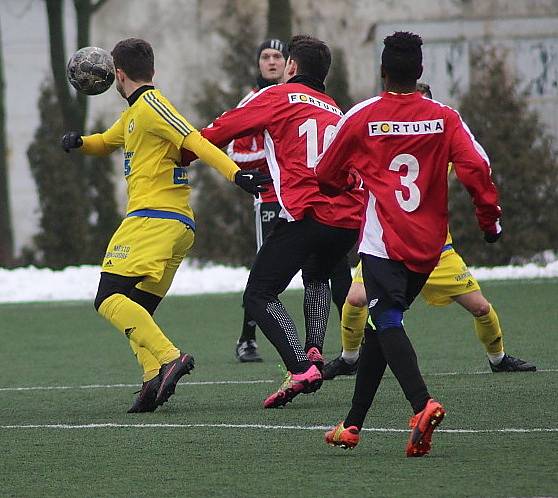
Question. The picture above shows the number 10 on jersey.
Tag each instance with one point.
(310, 129)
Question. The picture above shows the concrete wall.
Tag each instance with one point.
(189, 51)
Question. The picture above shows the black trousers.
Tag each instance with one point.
(291, 246)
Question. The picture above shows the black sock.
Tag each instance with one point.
(402, 360)
(317, 299)
(371, 368)
(248, 329)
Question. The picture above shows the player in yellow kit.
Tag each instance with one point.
(145, 251)
(451, 281)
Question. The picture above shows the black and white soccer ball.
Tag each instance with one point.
(91, 70)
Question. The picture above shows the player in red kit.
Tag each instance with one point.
(400, 143)
(248, 152)
(314, 231)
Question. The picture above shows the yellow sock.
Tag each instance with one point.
(353, 321)
(138, 325)
(147, 361)
(489, 332)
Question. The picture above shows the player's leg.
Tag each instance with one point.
(279, 259)
(355, 314)
(150, 291)
(452, 281)
(266, 215)
(147, 361)
(341, 280)
(130, 318)
(489, 332)
(370, 372)
(330, 247)
(487, 325)
(132, 257)
(390, 289)
(353, 321)
(245, 350)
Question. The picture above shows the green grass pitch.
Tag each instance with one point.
(215, 439)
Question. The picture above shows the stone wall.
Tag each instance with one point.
(189, 51)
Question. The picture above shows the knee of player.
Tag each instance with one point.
(249, 296)
(357, 296)
(481, 309)
(99, 298)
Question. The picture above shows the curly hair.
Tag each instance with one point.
(402, 57)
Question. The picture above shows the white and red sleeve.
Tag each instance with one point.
(248, 119)
(472, 167)
(335, 163)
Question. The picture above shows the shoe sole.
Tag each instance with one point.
(171, 378)
(419, 438)
(290, 394)
(530, 369)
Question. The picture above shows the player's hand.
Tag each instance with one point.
(252, 181)
(71, 140)
(353, 180)
(492, 236)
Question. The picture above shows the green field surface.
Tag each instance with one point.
(67, 379)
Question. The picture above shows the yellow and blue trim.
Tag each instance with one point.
(167, 215)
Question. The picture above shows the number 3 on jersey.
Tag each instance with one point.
(407, 180)
(310, 129)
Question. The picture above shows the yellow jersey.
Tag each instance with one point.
(152, 131)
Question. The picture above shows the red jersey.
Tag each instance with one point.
(248, 152)
(296, 122)
(401, 144)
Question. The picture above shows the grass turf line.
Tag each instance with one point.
(58, 344)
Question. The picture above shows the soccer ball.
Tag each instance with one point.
(91, 70)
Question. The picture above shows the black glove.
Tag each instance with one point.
(252, 180)
(492, 237)
(71, 140)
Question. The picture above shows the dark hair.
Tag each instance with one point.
(135, 57)
(424, 88)
(311, 55)
(402, 57)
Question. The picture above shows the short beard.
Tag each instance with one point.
(120, 90)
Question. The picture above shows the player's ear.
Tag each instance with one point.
(420, 72)
(291, 68)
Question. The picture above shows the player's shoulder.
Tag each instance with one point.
(247, 97)
(154, 99)
(361, 108)
(259, 95)
(360, 111)
(441, 107)
(161, 108)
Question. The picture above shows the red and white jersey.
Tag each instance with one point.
(401, 144)
(296, 122)
(248, 152)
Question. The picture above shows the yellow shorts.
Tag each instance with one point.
(148, 247)
(357, 277)
(450, 278)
